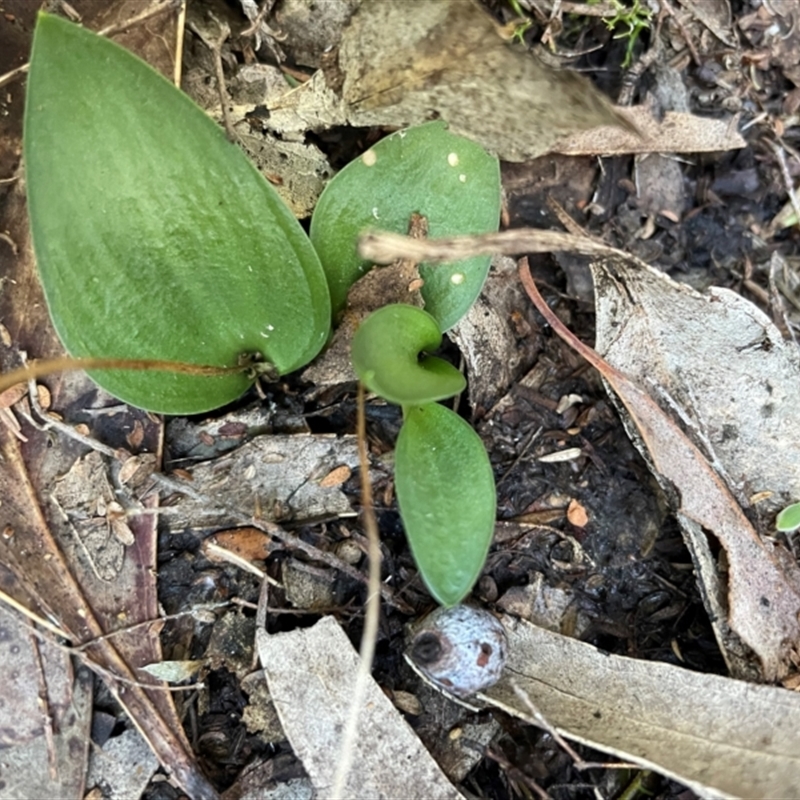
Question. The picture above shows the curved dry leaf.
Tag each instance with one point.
(763, 580)
(721, 737)
(678, 132)
(398, 62)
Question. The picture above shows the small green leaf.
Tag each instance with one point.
(155, 237)
(445, 490)
(386, 356)
(452, 182)
(789, 519)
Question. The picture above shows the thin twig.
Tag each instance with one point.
(266, 7)
(787, 178)
(215, 46)
(222, 553)
(682, 28)
(180, 31)
(148, 13)
(44, 706)
(541, 721)
(383, 248)
(41, 621)
(370, 635)
(87, 660)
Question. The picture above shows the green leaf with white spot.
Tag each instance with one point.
(446, 493)
(452, 182)
(155, 237)
(389, 355)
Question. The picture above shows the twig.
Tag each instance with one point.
(154, 10)
(84, 658)
(224, 554)
(180, 31)
(787, 178)
(44, 706)
(515, 773)
(266, 7)
(370, 635)
(49, 366)
(46, 422)
(383, 248)
(682, 28)
(41, 621)
(542, 722)
(215, 47)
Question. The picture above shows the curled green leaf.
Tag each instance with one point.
(789, 518)
(451, 181)
(446, 493)
(386, 356)
(155, 237)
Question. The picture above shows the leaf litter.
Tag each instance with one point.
(774, 655)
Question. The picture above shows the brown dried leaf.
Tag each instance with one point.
(721, 737)
(400, 62)
(763, 579)
(678, 132)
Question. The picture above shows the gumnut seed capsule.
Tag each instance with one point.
(462, 650)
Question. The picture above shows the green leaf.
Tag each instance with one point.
(445, 490)
(154, 236)
(386, 356)
(789, 518)
(451, 181)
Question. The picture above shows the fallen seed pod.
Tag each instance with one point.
(461, 650)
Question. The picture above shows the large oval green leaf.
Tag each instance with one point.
(446, 493)
(386, 356)
(448, 179)
(155, 237)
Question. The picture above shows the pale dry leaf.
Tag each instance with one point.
(311, 675)
(719, 736)
(172, 671)
(678, 132)
(722, 366)
(719, 359)
(763, 578)
(123, 766)
(402, 64)
(716, 16)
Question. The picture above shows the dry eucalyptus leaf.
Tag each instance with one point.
(763, 579)
(719, 736)
(311, 675)
(402, 63)
(723, 364)
(716, 16)
(677, 132)
(724, 369)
